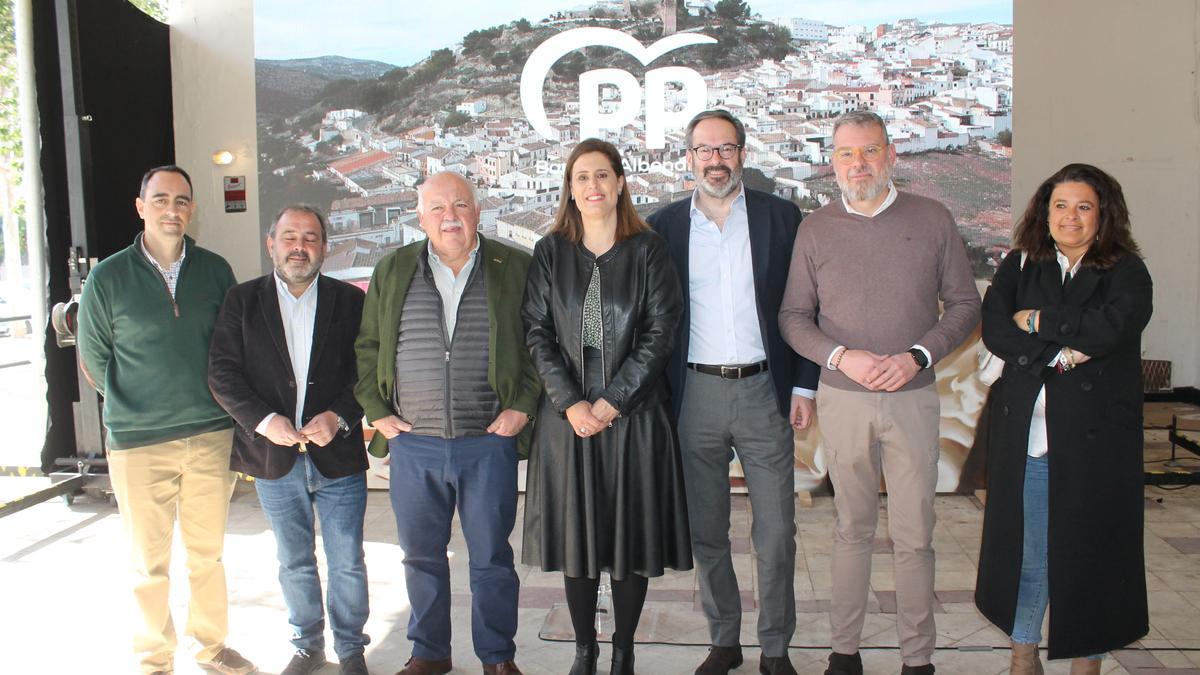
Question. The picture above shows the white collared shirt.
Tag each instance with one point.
(1039, 442)
(723, 303)
(892, 193)
(450, 286)
(170, 274)
(887, 201)
(299, 316)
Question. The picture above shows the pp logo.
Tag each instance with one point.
(592, 117)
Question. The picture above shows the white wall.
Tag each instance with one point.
(212, 73)
(1120, 88)
(1130, 106)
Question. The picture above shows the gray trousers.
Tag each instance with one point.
(718, 415)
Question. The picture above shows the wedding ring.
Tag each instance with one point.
(582, 430)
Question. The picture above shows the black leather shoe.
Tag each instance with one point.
(926, 669)
(585, 659)
(353, 665)
(304, 662)
(776, 665)
(622, 661)
(720, 660)
(841, 664)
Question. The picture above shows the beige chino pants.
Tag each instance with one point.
(864, 433)
(190, 479)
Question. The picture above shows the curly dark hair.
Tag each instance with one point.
(1113, 236)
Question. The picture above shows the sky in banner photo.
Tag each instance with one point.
(404, 33)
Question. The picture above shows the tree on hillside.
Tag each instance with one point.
(394, 75)
(455, 118)
(522, 25)
(732, 10)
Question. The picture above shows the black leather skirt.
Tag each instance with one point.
(613, 502)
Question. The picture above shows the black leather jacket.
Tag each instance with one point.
(641, 304)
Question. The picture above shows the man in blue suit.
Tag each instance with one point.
(736, 384)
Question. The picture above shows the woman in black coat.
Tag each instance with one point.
(1063, 523)
(605, 484)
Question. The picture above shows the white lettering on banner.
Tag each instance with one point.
(668, 167)
(592, 117)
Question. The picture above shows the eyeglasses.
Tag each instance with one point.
(869, 153)
(705, 152)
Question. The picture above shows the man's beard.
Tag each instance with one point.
(721, 191)
(298, 275)
(865, 191)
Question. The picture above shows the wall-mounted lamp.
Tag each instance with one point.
(222, 158)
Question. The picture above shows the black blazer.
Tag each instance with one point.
(773, 226)
(250, 375)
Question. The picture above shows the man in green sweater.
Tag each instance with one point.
(145, 321)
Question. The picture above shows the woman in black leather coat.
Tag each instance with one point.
(605, 484)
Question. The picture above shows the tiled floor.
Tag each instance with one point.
(66, 609)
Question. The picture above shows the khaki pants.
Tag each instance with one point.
(862, 433)
(189, 477)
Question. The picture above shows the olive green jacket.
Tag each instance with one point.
(511, 373)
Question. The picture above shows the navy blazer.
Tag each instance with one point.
(250, 375)
(773, 225)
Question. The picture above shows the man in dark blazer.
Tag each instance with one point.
(282, 364)
(736, 384)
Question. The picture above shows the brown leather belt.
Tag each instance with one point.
(729, 372)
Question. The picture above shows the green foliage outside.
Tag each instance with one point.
(11, 149)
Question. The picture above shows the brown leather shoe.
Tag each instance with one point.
(776, 665)
(720, 660)
(228, 662)
(507, 668)
(416, 666)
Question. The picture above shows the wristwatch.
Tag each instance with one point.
(341, 424)
(919, 357)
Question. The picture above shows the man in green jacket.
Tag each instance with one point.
(145, 320)
(446, 380)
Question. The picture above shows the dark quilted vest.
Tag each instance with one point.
(442, 391)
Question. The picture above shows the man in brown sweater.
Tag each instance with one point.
(862, 298)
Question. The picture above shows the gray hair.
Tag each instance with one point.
(302, 208)
(717, 113)
(861, 118)
(469, 184)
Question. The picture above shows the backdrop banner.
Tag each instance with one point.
(359, 101)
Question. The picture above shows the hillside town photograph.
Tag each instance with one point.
(355, 137)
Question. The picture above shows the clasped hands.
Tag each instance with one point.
(589, 419)
(876, 372)
(508, 423)
(319, 430)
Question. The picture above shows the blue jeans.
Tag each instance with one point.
(340, 503)
(430, 477)
(1033, 592)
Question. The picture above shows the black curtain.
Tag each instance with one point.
(121, 59)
